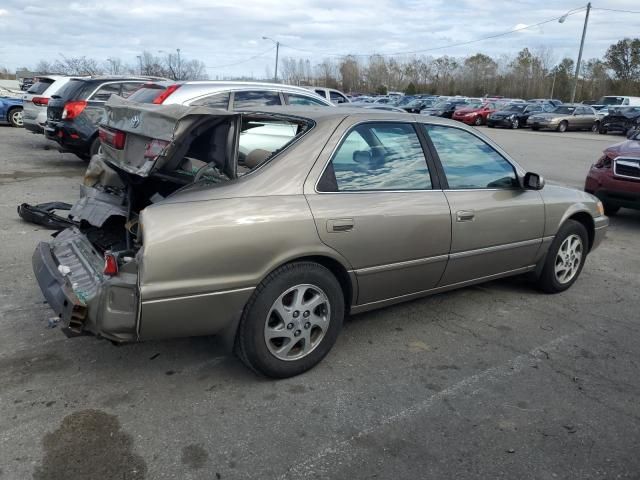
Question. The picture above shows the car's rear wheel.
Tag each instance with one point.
(565, 258)
(96, 147)
(478, 121)
(15, 117)
(563, 126)
(595, 127)
(291, 321)
(602, 131)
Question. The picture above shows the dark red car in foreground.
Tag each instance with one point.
(474, 114)
(615, 177)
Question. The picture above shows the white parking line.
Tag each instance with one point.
(332, 454)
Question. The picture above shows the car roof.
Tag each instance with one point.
(114, 78)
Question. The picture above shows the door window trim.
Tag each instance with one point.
(435, 180)
(445, 182)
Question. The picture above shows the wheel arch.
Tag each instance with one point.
(11, 109)
(586, 220)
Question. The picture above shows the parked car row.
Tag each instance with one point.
(68, 109)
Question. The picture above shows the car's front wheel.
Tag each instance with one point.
(565, 258)
(515, 123)
(478, 121)
(595, 127)
(563, 126)
(291, 321)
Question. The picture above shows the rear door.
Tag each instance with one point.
(379, 205)
(497, 226)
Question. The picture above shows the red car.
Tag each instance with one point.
(474, 114)
(615, 177)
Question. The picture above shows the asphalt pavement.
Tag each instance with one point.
(493, 381)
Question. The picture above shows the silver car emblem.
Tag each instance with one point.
(135, 121)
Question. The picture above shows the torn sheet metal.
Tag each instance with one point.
(96, 206)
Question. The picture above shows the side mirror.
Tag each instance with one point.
(533, 181)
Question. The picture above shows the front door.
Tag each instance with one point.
(378, 205)
(497, 226)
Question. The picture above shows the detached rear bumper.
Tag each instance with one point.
(68, 271)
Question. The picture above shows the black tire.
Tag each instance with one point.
(250, 344)
(477, 121)
(490, 125)
(535, 128)
(610, 210)
(602, 131)
(95, 147)
(547, 282)
(595, 127)
(15, 117)
(515, 124)
(562, 126)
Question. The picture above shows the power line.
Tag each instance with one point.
(245, 60)
(615, 10)
(432, 49)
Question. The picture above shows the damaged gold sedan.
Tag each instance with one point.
(267, 227)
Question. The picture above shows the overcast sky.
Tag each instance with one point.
(226, 32)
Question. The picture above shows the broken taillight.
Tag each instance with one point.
(112, 137)
(40, 101)
(163, 96)
(154, 148)
(110, 264)
(73, 109)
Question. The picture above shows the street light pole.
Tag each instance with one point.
(275, 76)
(178, 75)
(140, 59)
(584, 33)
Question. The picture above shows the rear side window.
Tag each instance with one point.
(105, 91)
(219, 100)
(336, 97)
(378, 157)
(468, 162)
(40, 86)
(321, 93)
(294, 99)
(129, 88)
(147, 94)
(256, 98)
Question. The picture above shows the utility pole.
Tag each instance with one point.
(553, 84)
(140, 59)
(584, 33)
(178, 73)
(275, 77)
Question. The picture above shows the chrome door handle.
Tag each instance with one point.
(465, 215)
(340, 225)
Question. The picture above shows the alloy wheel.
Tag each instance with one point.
(16, 118)
(297, 322)
(568, 259)
(515, 124)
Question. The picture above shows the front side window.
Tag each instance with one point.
(378, 156)
(255, 98)
(105, 91)
(468, 162)
(295, 99)
(218, 100)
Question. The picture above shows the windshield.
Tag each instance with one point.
(611, 101)
(442, 105)
(471, 105)
(533, 108)
(564, 110)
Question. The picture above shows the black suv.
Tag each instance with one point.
(74, 112)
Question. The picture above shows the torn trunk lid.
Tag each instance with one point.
(144, 138)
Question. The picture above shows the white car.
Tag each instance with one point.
(36, 99)
(331, 94)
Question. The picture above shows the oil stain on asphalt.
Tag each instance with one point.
(89, 444)
(194, 456)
